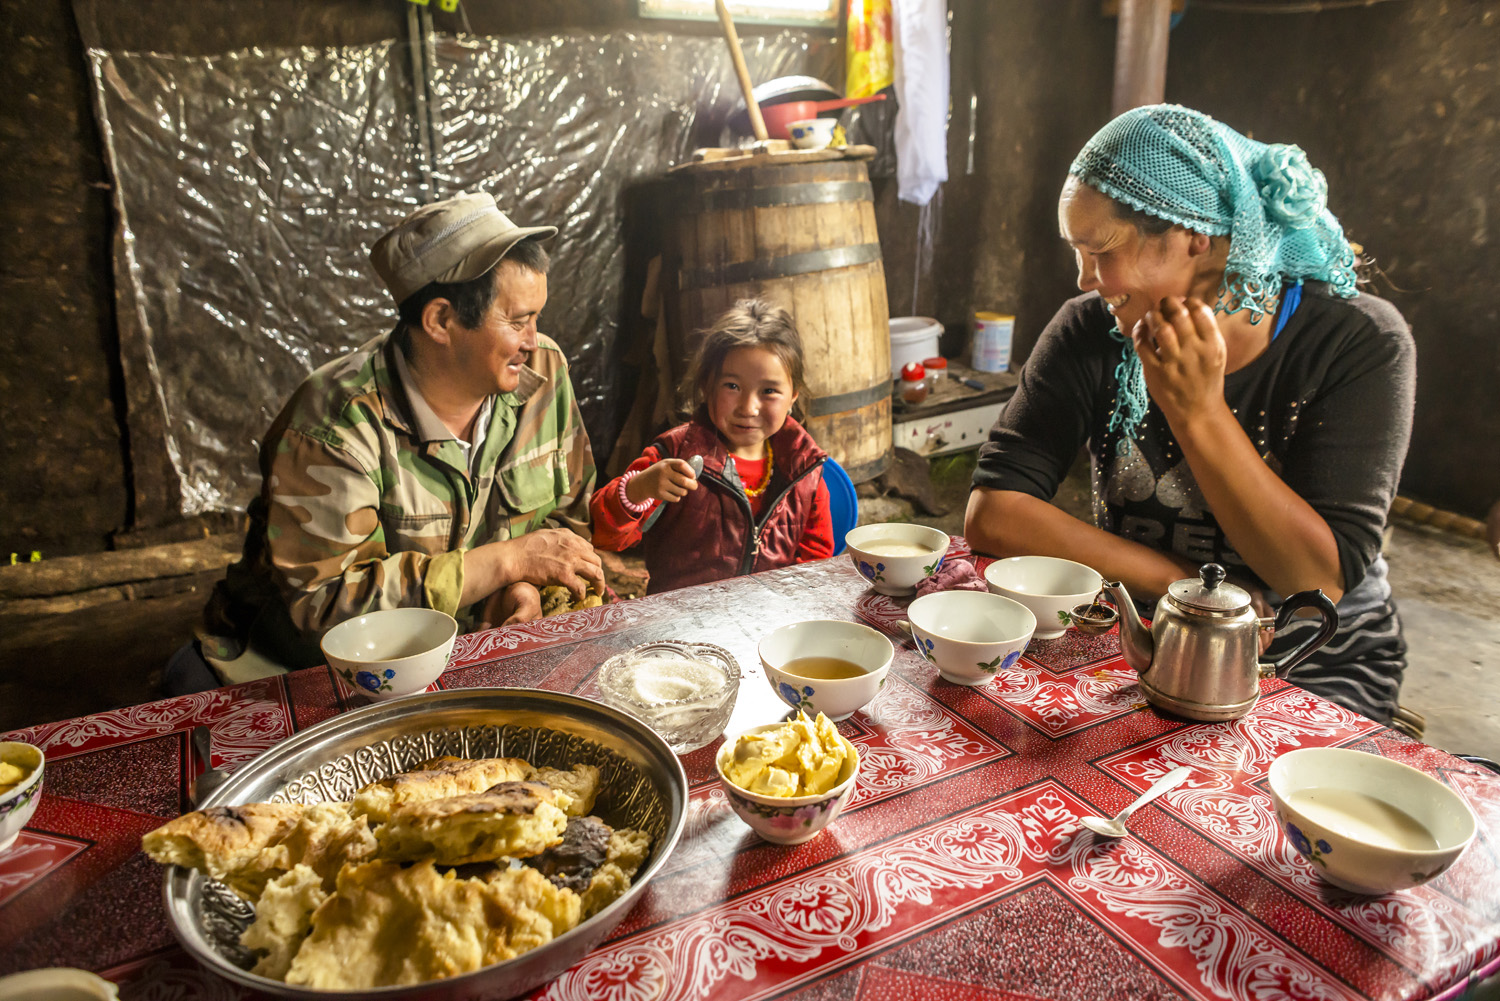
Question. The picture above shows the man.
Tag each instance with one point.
(443, 464)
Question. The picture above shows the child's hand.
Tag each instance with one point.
(668, 480)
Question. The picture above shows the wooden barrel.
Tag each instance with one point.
(801, 234)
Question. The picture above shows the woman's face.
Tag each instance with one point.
(1130, 270)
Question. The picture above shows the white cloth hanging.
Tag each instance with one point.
(922, 89)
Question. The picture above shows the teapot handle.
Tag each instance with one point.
(1303, 599)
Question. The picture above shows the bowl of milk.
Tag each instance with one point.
(895, 558)
(1366, 823)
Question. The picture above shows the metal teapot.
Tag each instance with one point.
(1200, 658)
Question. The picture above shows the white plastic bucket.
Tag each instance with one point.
(913, 338)
(990, 351)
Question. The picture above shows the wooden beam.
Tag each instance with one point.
(1141, 53)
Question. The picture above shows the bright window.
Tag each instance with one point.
(803, 13)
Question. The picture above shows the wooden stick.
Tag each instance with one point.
(741, 70)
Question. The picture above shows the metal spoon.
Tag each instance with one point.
(1114, 827)
(210, 778)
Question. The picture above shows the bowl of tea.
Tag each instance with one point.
(1366, 823)
(895, 558)
(826, 666)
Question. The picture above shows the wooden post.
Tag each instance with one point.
(1141, 53)
(757, 123)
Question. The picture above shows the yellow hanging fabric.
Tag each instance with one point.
(870, 53)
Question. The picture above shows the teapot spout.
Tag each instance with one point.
(1135, 639)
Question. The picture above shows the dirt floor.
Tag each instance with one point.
(58, 665)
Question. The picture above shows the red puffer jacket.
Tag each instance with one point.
(709, 534)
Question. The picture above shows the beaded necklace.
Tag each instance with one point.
(765, 480)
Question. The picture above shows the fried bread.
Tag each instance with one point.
(390, 925)
(283, 918)
(512, 819)
(580, 784)
(436, 778)
(225, 841)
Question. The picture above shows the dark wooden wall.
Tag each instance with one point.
(1396, 102)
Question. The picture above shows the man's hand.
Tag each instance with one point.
(554, 556)
(520, 602)
(668, 480)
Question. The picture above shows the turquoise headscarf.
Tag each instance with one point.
(1183, 166)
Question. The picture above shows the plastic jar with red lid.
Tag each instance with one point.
(913, 382)
(937, 371)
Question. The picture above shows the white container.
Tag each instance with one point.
(990, 351)
(912, 339)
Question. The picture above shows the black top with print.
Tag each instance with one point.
(1328, 404)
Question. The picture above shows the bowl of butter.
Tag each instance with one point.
(788, 780)
(20, 787)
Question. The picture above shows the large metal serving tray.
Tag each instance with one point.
(642, 785)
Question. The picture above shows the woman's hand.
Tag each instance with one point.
(1183, 355)
(520, 602)
(668, 480)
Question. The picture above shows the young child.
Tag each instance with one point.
(760, 501)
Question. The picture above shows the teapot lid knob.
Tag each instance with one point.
(1210, 592)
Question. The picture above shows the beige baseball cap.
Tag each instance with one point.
(453, 240)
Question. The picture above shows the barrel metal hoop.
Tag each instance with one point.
(780, 267)
(864, 471)
(816, 193)
(822, 406)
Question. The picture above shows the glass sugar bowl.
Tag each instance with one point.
(683, 691)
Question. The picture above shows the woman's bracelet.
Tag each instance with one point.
(630, 506)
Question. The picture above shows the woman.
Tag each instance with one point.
(1242, 402)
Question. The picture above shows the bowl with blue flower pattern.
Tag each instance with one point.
(20, 787)
(826, 665)
(787, 820)
(392, 652)
(1049, 586)
(970, 636)
(896, 557)
(1366, 823)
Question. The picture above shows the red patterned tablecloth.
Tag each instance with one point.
(957, 871)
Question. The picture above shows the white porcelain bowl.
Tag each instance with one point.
(836, 698)
(1342, 810)
(1049, 586)
(17, 806)
(870, 548)
(57, 983)
(811, 133)
(392, 652)
(970, 635)
(788, 820)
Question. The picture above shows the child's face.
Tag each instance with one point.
(750, 399)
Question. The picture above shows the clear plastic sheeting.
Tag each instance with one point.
(249, 187)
